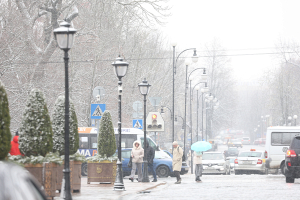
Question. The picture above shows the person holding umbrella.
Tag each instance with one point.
(177, 161)
(198, 165)
(199, 147)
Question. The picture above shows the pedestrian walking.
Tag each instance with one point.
(150, 156)
(137, 154)
(198, 165)
(177, 161)
(14, 150)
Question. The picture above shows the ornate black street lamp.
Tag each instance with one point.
(144, 89)
(120, 69)
(64, 36)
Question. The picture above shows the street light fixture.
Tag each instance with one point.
(144, 89)
(120, 69)
(64, 36)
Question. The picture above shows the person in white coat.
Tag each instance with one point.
(198, 165)
(137, 154)
(177, 161)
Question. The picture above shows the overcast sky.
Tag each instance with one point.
(240, 26)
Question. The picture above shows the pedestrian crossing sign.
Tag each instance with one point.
(137, 123)
(97, 110)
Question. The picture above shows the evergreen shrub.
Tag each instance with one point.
(5, 135)
(106, 136)
(35, 136)
(58, 124)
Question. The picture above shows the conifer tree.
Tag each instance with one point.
(36, 129)
(5, 135)
(106, 136)
(58, 124)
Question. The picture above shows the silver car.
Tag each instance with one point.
(215, 163)
(17, 183)
(249, 162)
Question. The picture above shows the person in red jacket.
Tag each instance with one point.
(14, 150)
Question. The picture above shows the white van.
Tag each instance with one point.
(88, 139)
(278, 140)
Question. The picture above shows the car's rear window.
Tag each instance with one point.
(246, 138)
(295, 143)
(212, 156)
(250, 154)
(233, 149)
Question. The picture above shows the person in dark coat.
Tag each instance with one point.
(14, 150)
(150, 156)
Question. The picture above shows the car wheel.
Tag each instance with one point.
(236, 172)
(84, 169)
(289, 179)
(162, 171)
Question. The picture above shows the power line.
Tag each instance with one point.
(155, 58)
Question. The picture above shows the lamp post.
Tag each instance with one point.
(295, 118)
(120, 69)
(208, 99)
(64, 36)
(191, 125)
(204, 79)
(194, 59)
(205, 89)
(144, 89)
(197, 89)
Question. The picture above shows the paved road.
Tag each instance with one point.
(254, 187)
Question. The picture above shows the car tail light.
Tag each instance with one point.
(236, 161)
(259, 161)
(290, 153)
(266, 154)
(289, 164)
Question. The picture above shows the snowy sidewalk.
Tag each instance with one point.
(95, 190)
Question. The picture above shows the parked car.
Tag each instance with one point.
(215, 163)
(17, 183)
(162, 164)
(249, 162)
(235, 143)
(260, 141)
(232, 151)
(292, 161)
(245, 140)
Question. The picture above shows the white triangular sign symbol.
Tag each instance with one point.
(137, 124)
(98, 112)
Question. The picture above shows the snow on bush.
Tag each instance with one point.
(58, 124)
(106, 136)
(36, 131)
